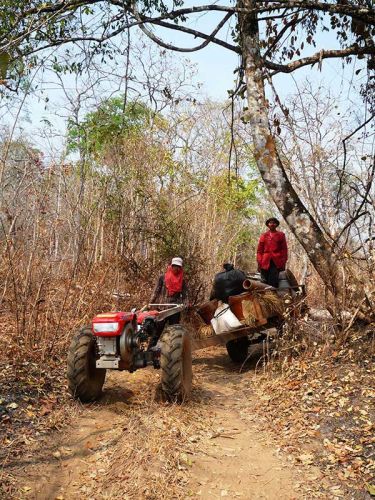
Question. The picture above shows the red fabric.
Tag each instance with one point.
(272, 245)
(173, 282)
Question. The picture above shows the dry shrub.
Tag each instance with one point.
(64, 304)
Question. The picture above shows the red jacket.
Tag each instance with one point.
(272, 246)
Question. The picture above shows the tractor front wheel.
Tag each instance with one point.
(238, 349)
(85, 381)
(176, 363)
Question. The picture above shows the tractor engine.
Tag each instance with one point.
(124, 341)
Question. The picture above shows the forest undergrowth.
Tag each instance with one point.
(314, 392)
(317, 396)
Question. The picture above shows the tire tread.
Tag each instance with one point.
(80, 384)
(172, 353)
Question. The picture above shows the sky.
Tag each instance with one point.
(214, 70)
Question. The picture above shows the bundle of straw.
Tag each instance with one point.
(205, 331)
(199, 329)
(249, 312)
(271, 304)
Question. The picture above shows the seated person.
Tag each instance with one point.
(227, 283)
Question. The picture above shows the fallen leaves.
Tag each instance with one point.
(306, 459)
(46, 408)
(12, 406)
(321, 415)
(33, 403)
(318, 402)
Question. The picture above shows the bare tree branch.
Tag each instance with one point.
(348, 224)
(345, 152)
(169, 46)
(198, 34)
(317, 58)
(281, 33)
(365, 14)
(351, 135)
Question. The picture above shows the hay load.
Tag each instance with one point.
(253, 308)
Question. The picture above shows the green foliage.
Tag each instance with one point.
(106, 125)
(150, 6)
(235, 194)
(4, 63)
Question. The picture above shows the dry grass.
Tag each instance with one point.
(152, 459)
(153, 454)
(205, 331)
(318, 396)
(196, 325)
(270, 305)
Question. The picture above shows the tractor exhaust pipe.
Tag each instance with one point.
(250, 285)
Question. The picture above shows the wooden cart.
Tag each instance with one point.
(259, 309)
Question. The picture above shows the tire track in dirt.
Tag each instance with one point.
(220, 452)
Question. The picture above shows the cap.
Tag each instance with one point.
(176, 261)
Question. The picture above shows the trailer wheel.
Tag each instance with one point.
(238, 349)
(176, 364)
(85, 381)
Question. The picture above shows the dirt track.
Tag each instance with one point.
(130, 446)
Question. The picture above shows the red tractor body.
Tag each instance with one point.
(111, 324)
(141, 316)
(129, 341)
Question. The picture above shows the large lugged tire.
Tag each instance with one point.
(85, 381)
(238, 349)
(176, 364)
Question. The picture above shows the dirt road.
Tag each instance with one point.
(130, 445)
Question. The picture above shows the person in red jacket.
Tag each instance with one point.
(272, 253)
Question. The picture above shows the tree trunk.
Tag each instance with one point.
(301, 223)
(269, 164)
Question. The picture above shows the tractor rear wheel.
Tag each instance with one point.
(238, 349)
(176, 364)
(85, 381)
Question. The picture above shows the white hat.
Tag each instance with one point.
(176, 261)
